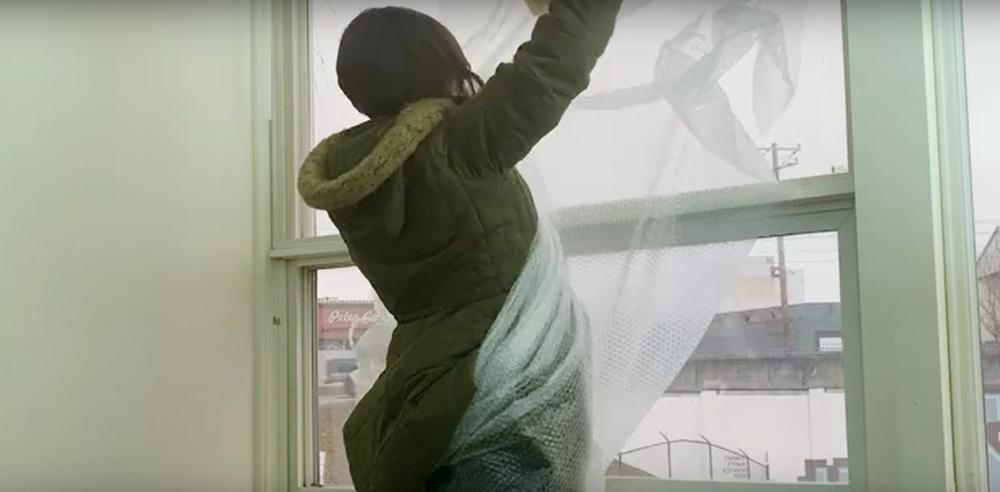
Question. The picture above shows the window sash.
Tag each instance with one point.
(301, 285)
(292, 221)
(720, 215)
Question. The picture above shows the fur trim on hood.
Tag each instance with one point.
(413, 124)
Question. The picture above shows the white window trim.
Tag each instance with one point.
(919, 300)
(968, 422)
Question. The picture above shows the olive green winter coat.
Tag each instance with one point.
(438, 220)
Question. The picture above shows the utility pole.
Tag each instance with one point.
(777, 164)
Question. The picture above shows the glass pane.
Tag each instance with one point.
(762, 398)
(330, 111)
(345, 310)
(799, 145)
(982, 41)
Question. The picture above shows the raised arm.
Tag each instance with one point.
(526, 98)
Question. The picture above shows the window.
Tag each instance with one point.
(799, 146)
(859, 272)
(983, 76)
(757, 400)
(346, 309)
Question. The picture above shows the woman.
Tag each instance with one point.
(426, 196)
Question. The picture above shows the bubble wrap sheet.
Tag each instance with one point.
(592, 336)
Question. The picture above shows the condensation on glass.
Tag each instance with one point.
(809, 140)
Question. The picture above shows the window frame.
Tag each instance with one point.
(821, 206)
(933, 212)
(958, 223)
(768, 217)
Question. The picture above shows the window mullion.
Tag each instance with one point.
(894, 156)
(853, 362)
(301, 362)
(327, 249)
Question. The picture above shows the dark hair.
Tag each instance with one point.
(393, 56)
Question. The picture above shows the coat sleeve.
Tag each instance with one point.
(526, 98)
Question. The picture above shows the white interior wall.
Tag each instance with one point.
(125, 246)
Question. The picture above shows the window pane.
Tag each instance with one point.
(762, 398)
(809, 139)
(330, 111)
(982, 42)
(345, 310)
